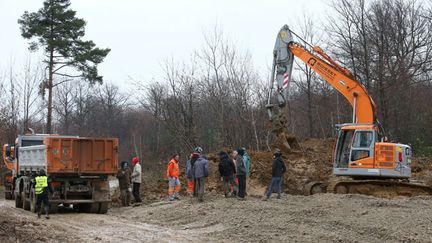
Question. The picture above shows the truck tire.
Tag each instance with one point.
(103, 207)
(8, 195)
(32, 197)
(25, 201)
(18, 201)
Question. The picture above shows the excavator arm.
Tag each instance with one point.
(340, 78)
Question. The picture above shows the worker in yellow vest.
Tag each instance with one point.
(41, 191)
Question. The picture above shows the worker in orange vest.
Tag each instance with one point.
(173, 173)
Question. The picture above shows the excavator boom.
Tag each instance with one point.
(351, 89)
(340, 78)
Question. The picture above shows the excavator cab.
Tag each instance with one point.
(359, 153)
(355, 146)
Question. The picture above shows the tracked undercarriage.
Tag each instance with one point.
(386, 188)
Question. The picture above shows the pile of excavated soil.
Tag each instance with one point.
(311, 164)
(421, 169)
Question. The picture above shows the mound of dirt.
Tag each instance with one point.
(421, 169)
(311, 164)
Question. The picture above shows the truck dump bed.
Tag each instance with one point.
(71, 155)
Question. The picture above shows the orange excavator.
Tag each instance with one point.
(363, 160)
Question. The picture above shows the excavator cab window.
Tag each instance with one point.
(363, 139)
(362, 146)
(343, 148)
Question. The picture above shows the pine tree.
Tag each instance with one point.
(56, 29)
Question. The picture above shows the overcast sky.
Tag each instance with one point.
(142, 34)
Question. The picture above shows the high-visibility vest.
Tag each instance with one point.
(173, 169)
(41, 183)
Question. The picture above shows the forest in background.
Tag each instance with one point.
(216, 99)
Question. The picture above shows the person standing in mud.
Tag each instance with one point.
(247, 162)
(189, 173)
(227, 171)
(42, 189)
(124, 178)
(173, 173)
(241, 174)
(136, 179)
(200, 172)
(278, 169)
(233, 155)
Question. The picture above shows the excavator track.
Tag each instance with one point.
(378, 188)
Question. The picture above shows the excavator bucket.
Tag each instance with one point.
(285, 141)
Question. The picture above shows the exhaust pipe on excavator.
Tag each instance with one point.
(31, 130)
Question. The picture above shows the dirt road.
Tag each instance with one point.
(318, 218)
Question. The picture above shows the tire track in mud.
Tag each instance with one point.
(81, 227)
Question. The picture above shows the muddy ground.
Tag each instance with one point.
(317, 218)
(294, 218)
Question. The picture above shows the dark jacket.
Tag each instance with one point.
(189, 169)
(200, 168)
(226, 166)
(241, 168)
(278, 167)
(124, 177)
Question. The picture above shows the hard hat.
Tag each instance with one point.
(198, 150)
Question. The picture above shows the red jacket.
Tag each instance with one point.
(173, 169)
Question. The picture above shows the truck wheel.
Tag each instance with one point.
(103, 207)
(8, 195)
(25, 201)
(18, 201)
(32, 197)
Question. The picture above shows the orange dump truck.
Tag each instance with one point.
(77, 168)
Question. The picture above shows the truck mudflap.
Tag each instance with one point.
(101, 191)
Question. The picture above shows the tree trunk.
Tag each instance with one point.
(50, 87)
